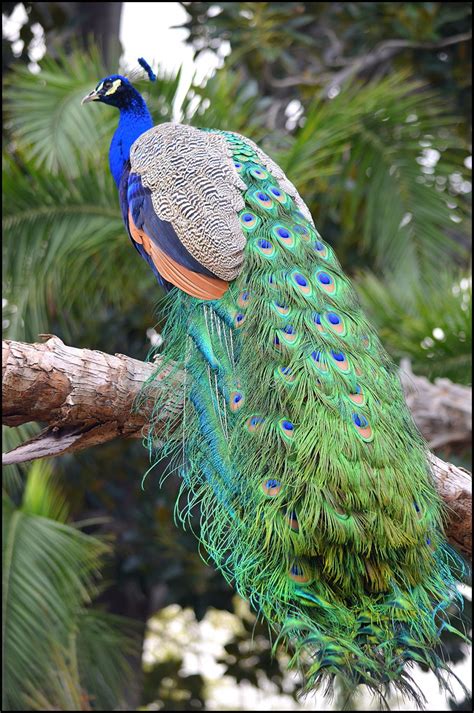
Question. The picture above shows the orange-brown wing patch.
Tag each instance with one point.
(193, 283)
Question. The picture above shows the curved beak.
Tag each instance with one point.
(91, 97)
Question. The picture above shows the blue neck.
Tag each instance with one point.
(134, 120)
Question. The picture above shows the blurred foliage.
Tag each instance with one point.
(58, 26)
(382, 167)
(292, 49)
(166, 685)
(248, 655)
(431, 323)
(49, 636)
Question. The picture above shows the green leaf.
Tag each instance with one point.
(58, 653)
(48, 574)
(429, 322)
(41, 496)
(65, 245)
(44, 116)
(104, 643)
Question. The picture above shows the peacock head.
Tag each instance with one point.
(117, 90)
(114, 90)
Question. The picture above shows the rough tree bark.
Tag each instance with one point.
(86, 397)
(442, 411)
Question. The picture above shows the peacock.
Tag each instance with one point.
(296, 447)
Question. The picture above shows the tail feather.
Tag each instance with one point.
(316, 498)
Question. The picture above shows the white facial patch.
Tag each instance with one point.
(113, 88)
(100, 87)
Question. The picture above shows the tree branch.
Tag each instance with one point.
(386, 50)
(442, 411)
(86, 397)
(352, 66)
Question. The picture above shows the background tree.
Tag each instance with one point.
(383, 165)
(296, 49)
(62, 25)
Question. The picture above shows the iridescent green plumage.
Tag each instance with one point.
(297, 448)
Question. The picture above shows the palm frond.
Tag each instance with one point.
(41, 496)
(231, 102)
(48, 574)
(58, 653)
(104, 645)
(92, 671)
(44, 119)
(358, 161)
(61, 688)
(62, 236)
(43, 113)
(430, 322)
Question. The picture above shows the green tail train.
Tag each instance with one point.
(296, 447)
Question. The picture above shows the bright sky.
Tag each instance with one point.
(146, 31)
